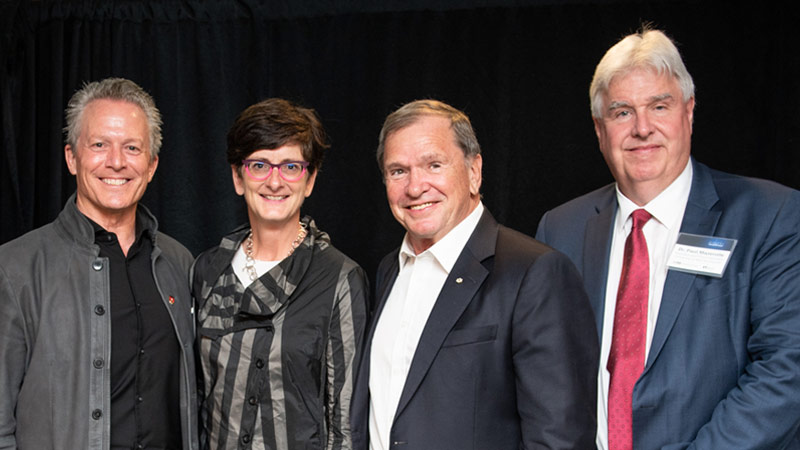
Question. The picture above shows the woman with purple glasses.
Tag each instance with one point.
(280, 312)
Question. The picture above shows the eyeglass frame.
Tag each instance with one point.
(246, 164)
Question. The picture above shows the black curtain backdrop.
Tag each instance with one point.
(521, 71)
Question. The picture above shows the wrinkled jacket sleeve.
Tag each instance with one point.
(13, 349)
(763, 410)
(555, 345)
(347, 325)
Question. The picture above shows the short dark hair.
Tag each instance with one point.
(273, 123)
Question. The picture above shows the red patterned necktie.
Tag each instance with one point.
(626, 357)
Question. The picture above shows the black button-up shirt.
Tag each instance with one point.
(145, 353)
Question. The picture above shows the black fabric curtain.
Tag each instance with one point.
(521, 71)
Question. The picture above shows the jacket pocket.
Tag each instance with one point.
(465, 336)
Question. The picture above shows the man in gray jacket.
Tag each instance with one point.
(96, 325)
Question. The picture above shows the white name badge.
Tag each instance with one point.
(703, 255)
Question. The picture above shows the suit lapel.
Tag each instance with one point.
(698, 218)
(596, 248)
(461, 285)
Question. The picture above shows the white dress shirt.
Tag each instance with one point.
(661, 233)
(403, 319)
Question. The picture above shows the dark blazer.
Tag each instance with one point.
(507, 359)
(723, 370)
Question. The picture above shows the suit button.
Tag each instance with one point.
(97, 265)
(97, 414)
(246, 439)
(99, 310)
(98, 363)
(260, 363)
(253, 401)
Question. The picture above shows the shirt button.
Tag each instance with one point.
(139, 399)
(97, 414)
(140, 445)
(97, 265)
(98, 363)
(141, 351)
(99, 310)
(252, 400)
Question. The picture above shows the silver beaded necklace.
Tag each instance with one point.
(250, 262)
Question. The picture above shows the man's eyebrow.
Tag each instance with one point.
(393, 165)
(618, 104)
(661, 97)
(430, 157)
(653, 99)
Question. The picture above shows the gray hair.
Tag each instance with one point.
(113, 89)
(648, 48)
(411, 112)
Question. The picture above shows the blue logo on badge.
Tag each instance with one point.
(719, 243)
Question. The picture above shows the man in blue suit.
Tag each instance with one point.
(717, 334)
(482, 337)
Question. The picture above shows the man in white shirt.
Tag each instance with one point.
(693, 274)
(482, 337)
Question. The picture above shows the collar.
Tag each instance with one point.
(80, 228)
(315, 237)
(101, 233)
(667, 208)
(447, 250)
(266, 295)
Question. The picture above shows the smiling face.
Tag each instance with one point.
(111, 159)
(274, 202)
(430, 186)
(645, 132)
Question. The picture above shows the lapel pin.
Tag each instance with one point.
(171, 300)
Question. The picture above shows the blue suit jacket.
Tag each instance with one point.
(723, 370)
(507, 358)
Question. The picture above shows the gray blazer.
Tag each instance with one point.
(54, 298)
